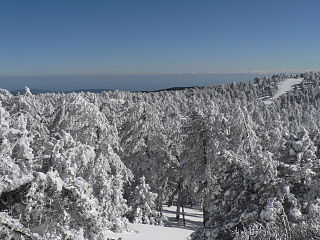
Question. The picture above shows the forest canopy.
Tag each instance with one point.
(76, 165)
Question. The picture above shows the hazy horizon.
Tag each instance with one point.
(124, 82)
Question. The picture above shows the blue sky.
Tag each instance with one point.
(97, 37)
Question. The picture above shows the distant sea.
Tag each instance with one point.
(125, 82)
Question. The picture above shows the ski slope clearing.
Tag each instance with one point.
(284, 87)
(171, 231)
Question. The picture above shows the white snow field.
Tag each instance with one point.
(171, 231)
(284, 87)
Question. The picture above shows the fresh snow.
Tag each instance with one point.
(171, 231)
(284, 87)
(69, 163)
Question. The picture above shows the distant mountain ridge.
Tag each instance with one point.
(40, 91)
(170, 89)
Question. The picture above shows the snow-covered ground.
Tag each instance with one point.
(171, 231)
(284, 87)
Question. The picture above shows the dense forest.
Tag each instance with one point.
(76, 165)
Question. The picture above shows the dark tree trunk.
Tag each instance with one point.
(159, 201)
(183, 215)
(205, 216)
(178, 212)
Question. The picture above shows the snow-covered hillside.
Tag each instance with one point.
(286, 86)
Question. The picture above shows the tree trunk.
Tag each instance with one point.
(159, 202)
(183, 215)
(205, 215)
(178, 212)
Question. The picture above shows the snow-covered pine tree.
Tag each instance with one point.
(143, 205)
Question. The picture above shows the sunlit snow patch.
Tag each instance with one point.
(172, 230)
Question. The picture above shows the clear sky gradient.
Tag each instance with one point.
(97, 37)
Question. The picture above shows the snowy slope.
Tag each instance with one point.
(172, 230)
(284, 87)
